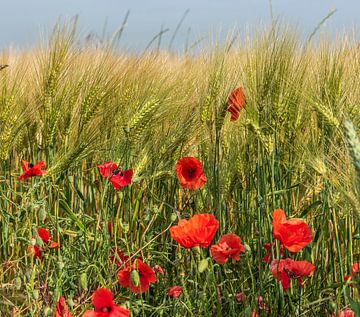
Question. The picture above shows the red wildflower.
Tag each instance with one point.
(31, 170)
(284, 270)
(294, 234)
(240, 297)
(144, 276)
(116, 176)
(118, 258)
(254, 314)
(61, 308)
(175, 291)
(346, 312)
(46, 238)
(267, 257)
(199, 230)
(106, 169)
(158, 269)
(190, 173)
(261, 304)
(229, 246)
(36, 251)
(104, 305)
(121, 178)
(236, 102)
(355, 269)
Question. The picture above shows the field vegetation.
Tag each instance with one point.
(295, 147)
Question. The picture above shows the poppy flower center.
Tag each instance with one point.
(291, 274)
(106, 309)
(191, 172)
(31, 165)
(117, 171)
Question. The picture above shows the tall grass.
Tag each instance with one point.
(76, 107)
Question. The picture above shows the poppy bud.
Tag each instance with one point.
(135, 278)
(18, 283)
(35, 294)
(48, 311)
(42, 214)
(83, 281)
(203, 265)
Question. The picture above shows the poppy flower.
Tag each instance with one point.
(118, 258)
(190, 173)
(158, 269)
(236, 102)
(61, 308)
(36, 251)
(199, 230)
(137, 277)
(175, 291)
(46, 238)
(31, 170)
(354, 271)
(294, 234)
(261, 304)
(106, 169)
(116, 176)
(346, 312)
(104, 305)
(284, 270)
(121, 178)
(240, 297)
(267, 257)
(229, 246)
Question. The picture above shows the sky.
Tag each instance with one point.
(24, 23)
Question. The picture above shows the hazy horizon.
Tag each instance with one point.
(22, 21)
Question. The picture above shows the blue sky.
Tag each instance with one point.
(22, 21)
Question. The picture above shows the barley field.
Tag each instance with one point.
(295, 147)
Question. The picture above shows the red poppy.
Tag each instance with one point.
(106, 169)
(284, 270)
(118, 258)
(240, 297)
(137, 276)
(229, 246)
(175, 291)
(121, 178)
(199, 230)
(116, 176)
(346, 312)
(261, 304)
(236, 102)
(36, 251)
(104, 305)
(190, 173)
(267, 257)
(61, 308)
(158, 269)
(355, 269)
(46, 238)
(294, 234)
(31, 170)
